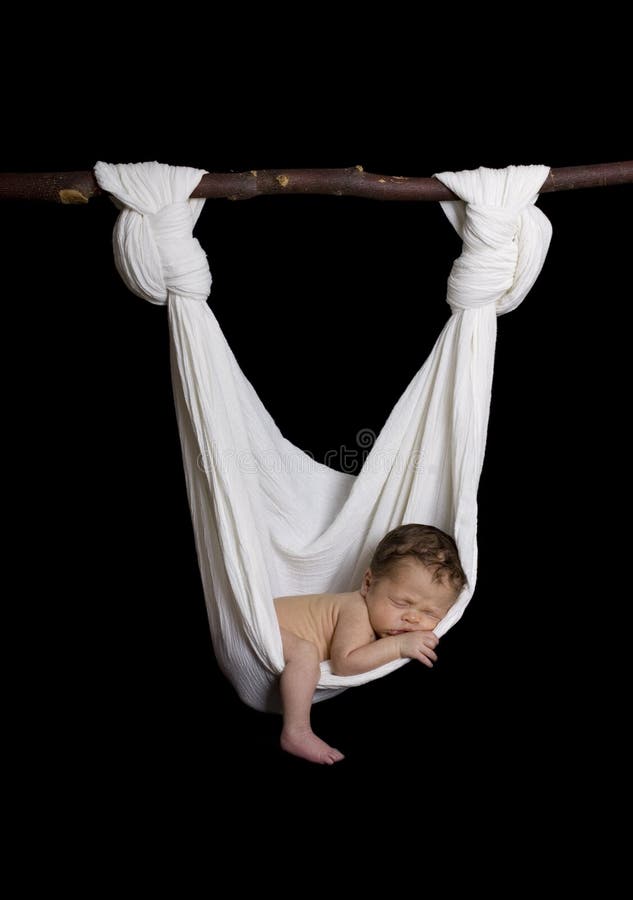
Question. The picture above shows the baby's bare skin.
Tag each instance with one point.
(388, 618)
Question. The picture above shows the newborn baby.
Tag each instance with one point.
(413, 579)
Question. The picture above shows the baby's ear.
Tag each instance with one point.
(365, 584)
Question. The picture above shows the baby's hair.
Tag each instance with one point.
(433, 548)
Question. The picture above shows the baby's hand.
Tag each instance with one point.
(418, 645)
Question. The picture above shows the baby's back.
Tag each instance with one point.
(312, 617)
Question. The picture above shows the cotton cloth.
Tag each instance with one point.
(269, 520)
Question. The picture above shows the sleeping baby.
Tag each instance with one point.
(414, 578)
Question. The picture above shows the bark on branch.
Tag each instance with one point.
(80, 187)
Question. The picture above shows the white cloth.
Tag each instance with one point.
(270, 521)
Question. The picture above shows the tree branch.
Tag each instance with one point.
(80, 187)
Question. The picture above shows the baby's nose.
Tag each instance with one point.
(412, 616)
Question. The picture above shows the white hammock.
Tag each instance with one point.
(270, 521)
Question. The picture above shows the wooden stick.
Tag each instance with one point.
(80, 187)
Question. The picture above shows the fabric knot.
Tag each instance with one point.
(154, 248)
(484, 273)
(185, 270)
(173, 222)
(505, 237)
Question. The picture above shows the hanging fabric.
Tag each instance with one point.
(268, 520)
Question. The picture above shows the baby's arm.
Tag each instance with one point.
(353, 651)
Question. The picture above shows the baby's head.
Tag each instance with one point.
(413, 579)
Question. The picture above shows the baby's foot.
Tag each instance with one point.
(307, 745)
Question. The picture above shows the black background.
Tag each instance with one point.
(344, 297)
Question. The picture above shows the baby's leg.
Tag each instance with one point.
(297, 684)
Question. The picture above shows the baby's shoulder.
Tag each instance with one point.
(353, 598)
(351, 603)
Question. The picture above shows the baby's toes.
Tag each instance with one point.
(335, 755)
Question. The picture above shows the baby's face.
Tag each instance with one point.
(406, 599)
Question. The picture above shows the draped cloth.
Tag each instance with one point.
(268, 520)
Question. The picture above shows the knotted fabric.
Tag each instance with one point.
(154, 249)
(505, 236)
(268, 519)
